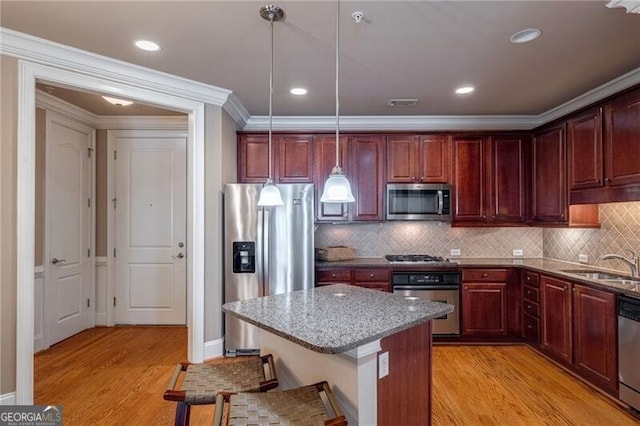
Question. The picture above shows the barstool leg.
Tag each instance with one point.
(183, 412)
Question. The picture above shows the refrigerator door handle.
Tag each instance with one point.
(265, 252)
(260, 252)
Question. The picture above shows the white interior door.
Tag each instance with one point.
(150, 212)
(68, 307)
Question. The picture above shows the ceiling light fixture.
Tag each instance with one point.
(337, 188)
(147, 45)
(298, 91)
(270, 194)
(525, 36)
(117, 102)
(465, 90)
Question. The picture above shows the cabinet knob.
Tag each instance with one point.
(413, 178)
(333, 275)
(485, 275)
(421, 178)
(528, 306)
(607, 180)
(280, 178)
(371, 276)
(528, 278)
(529, 326)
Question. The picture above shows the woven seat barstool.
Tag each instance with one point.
(202, 382)
(302, 406)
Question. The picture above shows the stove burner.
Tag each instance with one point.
(415, 258)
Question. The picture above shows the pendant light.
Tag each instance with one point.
(337, 188)
(270, 194)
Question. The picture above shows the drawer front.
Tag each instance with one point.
(531, 294)
(334, 275)
(381, 286)
(377, 274)
(531, 308)
(531, 279)
(484, 275)
(531, 329)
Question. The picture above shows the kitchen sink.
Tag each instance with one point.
(602, 276)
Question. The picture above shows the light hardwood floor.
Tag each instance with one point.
(116, 376)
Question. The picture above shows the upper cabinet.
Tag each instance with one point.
(325, 156)
(253, 158)
(469, 179)
(604, 163)
(418, 159)
(508, 166)
(366, 173)
(549, 195)
(293, 155)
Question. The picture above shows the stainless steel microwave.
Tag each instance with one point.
(419, 201)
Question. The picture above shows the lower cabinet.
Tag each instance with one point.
(579, 328)
(484, 302)
(531, 307)
(373, 278)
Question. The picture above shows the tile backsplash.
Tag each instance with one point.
(434, 238)
(620, 230)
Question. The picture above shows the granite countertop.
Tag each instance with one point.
(554, 267)
(335, 318)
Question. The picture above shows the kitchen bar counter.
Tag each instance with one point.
(336, 318)
(541, 265)
(336, 332)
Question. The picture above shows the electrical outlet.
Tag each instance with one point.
(383, 365)
(583, 258)
(517, 253)
(455, 252)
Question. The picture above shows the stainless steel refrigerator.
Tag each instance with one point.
(267, 251)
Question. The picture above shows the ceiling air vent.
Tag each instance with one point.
(402, 102)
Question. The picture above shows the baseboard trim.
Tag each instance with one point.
(213, 348)
(8, 399)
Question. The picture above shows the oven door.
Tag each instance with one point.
(448, 324)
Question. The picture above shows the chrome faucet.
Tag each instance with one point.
(632, 261)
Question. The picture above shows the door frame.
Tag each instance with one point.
(112, 135)
(52, 116)
(109, 81)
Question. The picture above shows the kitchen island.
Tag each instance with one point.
(335, 333)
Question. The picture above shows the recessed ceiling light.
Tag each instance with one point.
(464, 90)
(525, 36)
(117, 102)
(299, 91)
(147, 45)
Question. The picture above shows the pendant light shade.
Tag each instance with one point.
(270, 194)
(337, 188)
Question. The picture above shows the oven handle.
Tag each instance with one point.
(425, 287)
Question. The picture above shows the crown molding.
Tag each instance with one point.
(110, 122)
(38, 50)
(631, 6)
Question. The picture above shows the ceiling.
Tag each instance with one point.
(402, 49)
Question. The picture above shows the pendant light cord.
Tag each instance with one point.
(337, 84)
(270, 98)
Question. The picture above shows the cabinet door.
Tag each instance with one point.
(549, 203)
(402, 161)
(294, 157)
(434, 158)
(366, 172)
(325, 155)
(508, 186)
(622, 140)
(469, 179)
(556, 318)
(484, 308)
(596, 345)
(333, 276)
(253, 158)
(584, 150)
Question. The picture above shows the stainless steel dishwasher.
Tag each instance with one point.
(629, 350)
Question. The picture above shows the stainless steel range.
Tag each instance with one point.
(430, 284)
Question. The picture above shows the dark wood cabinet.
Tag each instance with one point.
(584, 150)
(549, 194)
(293, 155)
(418, 159)
(531, 307)
(253, 158)
(325, 158)
(375, 279)
(508, 194)
(333, 276)
(595, 336)
(556, 318)
(366, 173)
(484, 302)
(622, 140)
(469, 179)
